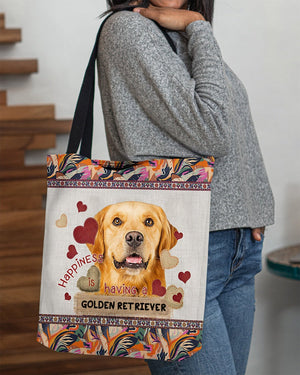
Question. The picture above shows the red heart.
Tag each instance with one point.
(81, 207)
(72, 252)
(184, 276)
(178, 235)
(87, 233)
(157, 288)
(177, 297)
(67, 297)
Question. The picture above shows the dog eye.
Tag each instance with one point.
(149, 222)
(117, 221)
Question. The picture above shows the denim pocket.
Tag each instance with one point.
(257, 254)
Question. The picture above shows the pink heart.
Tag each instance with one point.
(184, 276)
(87, 232)
(157, 288)
(178, 235)
(81, 207)
(72, 252)
(67, 297)
(177, 297)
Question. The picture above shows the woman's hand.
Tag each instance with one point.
(170, 18)
(256, 233)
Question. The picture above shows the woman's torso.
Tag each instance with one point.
(241, 194)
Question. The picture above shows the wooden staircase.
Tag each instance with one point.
(22, 196)
(11, 36)
(18, 66)
(8, 36)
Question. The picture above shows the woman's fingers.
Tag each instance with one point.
(149, 12)
(256, 233)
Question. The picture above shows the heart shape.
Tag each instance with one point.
(168, 261)
(91, 282)
(174, 297)
(178, 235)
(184, 276)
(81, 207)
(177, 297)
(157, 288)
(87, 232)
(67, 297)
(62, 221)
(72, 252)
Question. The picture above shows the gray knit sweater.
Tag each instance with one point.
(158, 104)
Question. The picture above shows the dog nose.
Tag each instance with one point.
(134, 239)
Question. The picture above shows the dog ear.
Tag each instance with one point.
(167, 239)
(99, 247)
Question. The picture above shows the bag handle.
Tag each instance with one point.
(82, 125)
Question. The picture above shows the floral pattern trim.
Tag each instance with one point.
(123, 321)
(146, 185)
(134, 342)
(76, 167)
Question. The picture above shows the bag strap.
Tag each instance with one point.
(82, 125)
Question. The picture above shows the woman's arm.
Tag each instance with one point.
(170, 18)
(190, 109)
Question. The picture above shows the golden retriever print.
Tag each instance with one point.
(131, 236)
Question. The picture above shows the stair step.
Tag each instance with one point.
(41, 360)
(27, 362)
(35, 126)
(23, 325)
(14, 160)
(27, 142)
(11, 240)
(10, 36)
(24, 173)
(22, 188)
(29, 112)
(21, 265)
(2, 21)
(28, 311)
(24, 221)
(32, 202)
(17, 251)
(25, 294)
(13, 342)
(18, 66)
(3, 98)
(11, 281)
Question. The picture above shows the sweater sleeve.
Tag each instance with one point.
(192, 109)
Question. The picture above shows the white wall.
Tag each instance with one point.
(60, 33)
(260, 41)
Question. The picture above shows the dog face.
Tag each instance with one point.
(131, 236)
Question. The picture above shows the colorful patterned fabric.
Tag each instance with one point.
(161, 344)
(76, 167)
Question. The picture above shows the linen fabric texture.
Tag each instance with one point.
(157, 103)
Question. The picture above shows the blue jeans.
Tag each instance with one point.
(234, 258)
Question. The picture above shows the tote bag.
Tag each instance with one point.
(125, 249)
